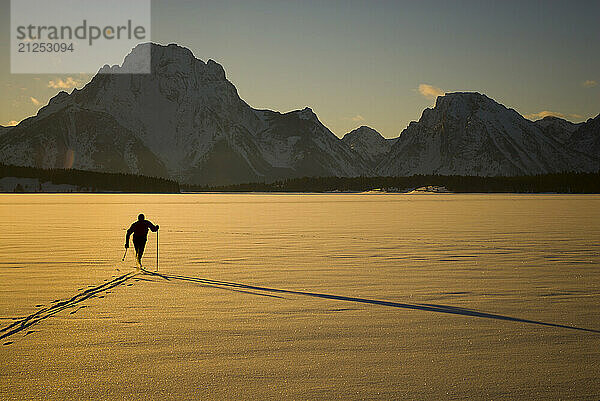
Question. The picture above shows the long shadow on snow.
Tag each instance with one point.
(45, 313)
(209, 285)
(451, 310)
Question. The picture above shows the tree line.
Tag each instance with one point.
(558, 183)
(96, 181)
(121, 182)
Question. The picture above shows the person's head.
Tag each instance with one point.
(141, 217)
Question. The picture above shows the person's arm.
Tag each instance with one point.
(153, 228)
(129, 232)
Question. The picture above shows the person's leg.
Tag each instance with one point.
(140, 250)
(137, 252)
(139, 244)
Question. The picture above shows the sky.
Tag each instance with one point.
(375, 63)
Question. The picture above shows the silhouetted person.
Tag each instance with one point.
(139, 229)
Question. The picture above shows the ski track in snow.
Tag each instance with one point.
(74, 302)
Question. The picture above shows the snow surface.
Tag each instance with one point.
(338, 296)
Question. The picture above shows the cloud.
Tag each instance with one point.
(430, 91)
(34, 101)
(542, 114)
(68, 83)
(358, 118)
(12, 123)
(590, 83)
(577, 116)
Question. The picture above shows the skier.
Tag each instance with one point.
(139, 229)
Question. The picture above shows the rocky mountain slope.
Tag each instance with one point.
(470, 134)
(75, 137)
(586, 139)
(186, 121)
(185, 116)
(368, 143)
(557, 128)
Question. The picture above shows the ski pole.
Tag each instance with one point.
(157, 250)
(122, 260)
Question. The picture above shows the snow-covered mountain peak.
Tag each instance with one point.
(215, 69)
(365, 133)
(307, 114)
(187, 114)
(368, 143)
(185, 120)
(181, 105)
(468, 133)
(548, 120)
(461, 104)
(556, 127)
(165, 59)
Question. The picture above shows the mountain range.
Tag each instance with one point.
(186, 121)
(471, 134)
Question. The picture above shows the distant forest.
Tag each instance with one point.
(98, 182)
(558, 183)
(117, 182)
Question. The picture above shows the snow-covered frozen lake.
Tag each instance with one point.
(301, 296)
